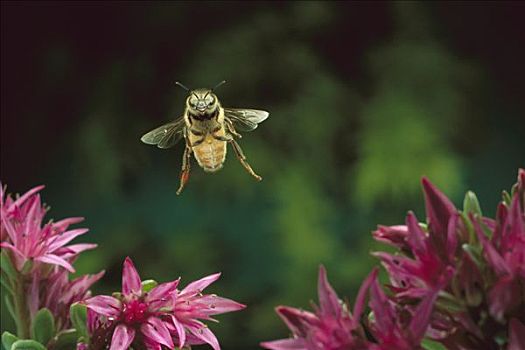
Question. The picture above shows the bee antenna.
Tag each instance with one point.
(221, 83)
(182, 86)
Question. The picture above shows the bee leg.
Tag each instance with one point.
(227, 138)
(242, 158)
(185, 172)
(232, 130)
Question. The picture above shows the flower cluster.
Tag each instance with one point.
(457, 279)
(51, 310)
(37, 261)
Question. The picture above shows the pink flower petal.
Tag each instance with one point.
(180, 331)
(66, 237)
(131, 283)
(359, 304)
(122, 338)
(205, 334)
(162, 291)
(328, 299)
(493, 257)
(438, 207)
(299, 321)
(383, 313)
(416, 236)
(394, 235)
(104, 305)
(155, 329)
(452, 238)
(63, 224)
(516, 335)
(55, 260)
(26, 195)
(504, 296)
(199, 285)
(216, 305)
(285, 344)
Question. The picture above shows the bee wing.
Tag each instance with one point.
(165, 136)
(245, 119)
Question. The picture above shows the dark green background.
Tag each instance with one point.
(364, 99)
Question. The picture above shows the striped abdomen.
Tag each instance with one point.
(210, 154)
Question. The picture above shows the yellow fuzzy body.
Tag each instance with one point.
(211, 153)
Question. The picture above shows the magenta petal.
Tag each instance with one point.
(55, 260)
(328, 299)
(104, 305)
(438, 207)
(65, 238)
(416, 236)
(299, 321)
(180, 331)
(379, 303)
(162, 291)
(285, 344)
(26, 195)
(131, 283)
(206, 335)
(199, 285)
(359, 304)
(516, 335)
(394, 235)
(452, 239)
(122, 338)
(218, 305)
(155, 329)
(420, 321)
(493, 257)
(63, 224)
(504, 296)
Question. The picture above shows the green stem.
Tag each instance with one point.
(22, 320)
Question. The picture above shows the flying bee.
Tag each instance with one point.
(207, 128)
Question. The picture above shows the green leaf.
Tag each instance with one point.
(471, 204)
(428, 344)
(43, 327)
(8, 340)
(78, 315)
(27, 344)
(4, 281)
(66, 340)
(7, 266)
(474, 253)
(449, 302)
(28, 265)
(148, 285)
(506, 197)
(9, 306)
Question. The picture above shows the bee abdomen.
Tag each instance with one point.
(210, 154)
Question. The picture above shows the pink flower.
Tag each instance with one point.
(24, 235)
(485, 257)
(331, 327)
(401, 327)
(58, 293)
(155, 318)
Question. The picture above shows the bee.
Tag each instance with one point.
(207, 128)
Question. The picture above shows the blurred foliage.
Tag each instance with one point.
(349, 135)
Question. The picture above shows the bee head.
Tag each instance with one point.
(202, 101)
